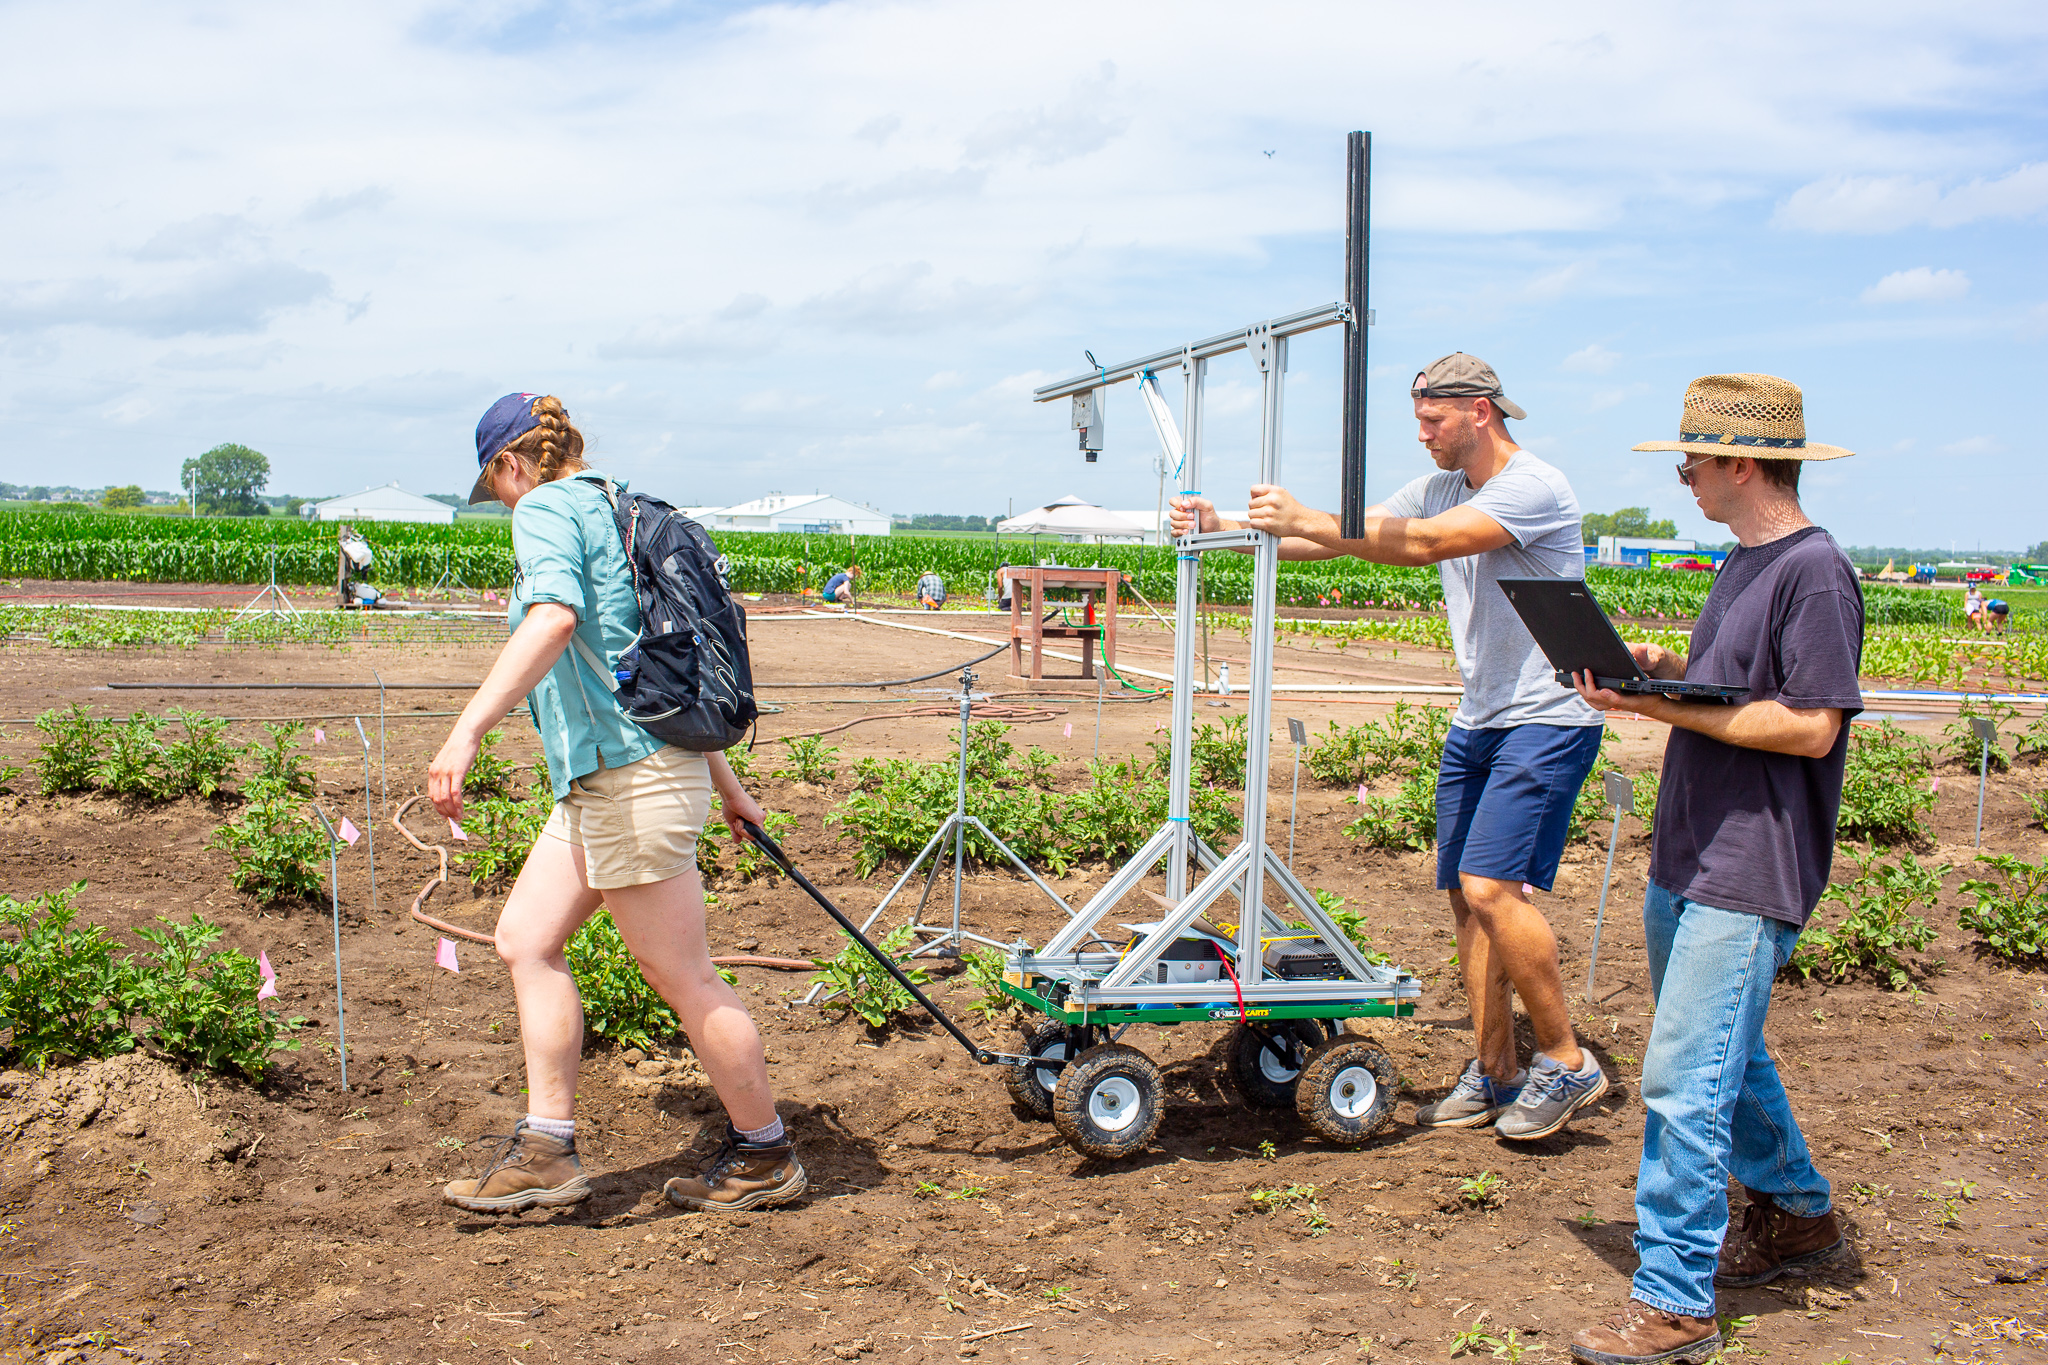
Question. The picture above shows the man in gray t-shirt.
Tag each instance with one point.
(1521, 744)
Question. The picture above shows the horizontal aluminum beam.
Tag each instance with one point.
(1329, 315)
(1240, 539)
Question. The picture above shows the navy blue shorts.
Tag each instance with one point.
(1504, 800)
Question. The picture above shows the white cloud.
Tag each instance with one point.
(1593, 359)
(1973, 445)
(1853, 203)
(945, 379)
(1918, 285)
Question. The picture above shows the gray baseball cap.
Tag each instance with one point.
(1459, 375)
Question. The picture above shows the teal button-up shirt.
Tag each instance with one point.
(567, 549)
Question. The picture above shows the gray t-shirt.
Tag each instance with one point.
(1508, 681)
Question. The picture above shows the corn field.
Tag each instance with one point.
(91, 546)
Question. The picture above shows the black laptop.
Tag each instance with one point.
(1575, 635)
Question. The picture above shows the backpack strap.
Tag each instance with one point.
(589, 656)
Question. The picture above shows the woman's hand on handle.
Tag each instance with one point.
(738, 805)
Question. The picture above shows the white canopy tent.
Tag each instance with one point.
(1072, 516)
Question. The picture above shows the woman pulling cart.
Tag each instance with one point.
(629, 809)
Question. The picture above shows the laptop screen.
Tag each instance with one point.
(1569, 626)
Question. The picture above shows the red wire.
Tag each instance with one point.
(1224, 958)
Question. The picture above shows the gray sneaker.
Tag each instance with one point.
(1475, 1101)
(1551, 1096)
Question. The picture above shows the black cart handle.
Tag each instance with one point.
(888, 964)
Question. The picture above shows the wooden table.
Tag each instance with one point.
(1027, 623)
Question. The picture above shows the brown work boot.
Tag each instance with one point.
(1768, 1242)
(529, 1169)
(741, 1175)
(1640, 1334)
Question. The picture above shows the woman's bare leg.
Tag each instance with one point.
(548, 904)
(663, 924)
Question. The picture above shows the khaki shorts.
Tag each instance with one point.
(640, 823)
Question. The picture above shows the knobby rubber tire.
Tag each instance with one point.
(1025, 1084)
(1252, 1066)
(1109, 1102)
(1330, 1096)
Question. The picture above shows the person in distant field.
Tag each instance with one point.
(629, 810)
(1973, 606)
(931, 592)
(1520, 746)
(1741, 851)
(1998, 616)
(839, 587)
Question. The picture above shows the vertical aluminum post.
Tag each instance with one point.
(1270, 354)
(1193, 372)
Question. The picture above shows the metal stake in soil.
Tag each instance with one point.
(1622, 793)
(369, 821)
(334, 891)
(383, 773)
(1297, 735)
(1986, 731)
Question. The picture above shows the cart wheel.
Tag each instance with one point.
(1263, 1079)
(1108, 1101)
(1347, 1088)
(1031, 1086)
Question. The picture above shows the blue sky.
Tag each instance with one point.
(834, 246)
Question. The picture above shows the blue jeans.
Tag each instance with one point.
(1714, 1103)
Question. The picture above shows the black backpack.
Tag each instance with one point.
(686, 678)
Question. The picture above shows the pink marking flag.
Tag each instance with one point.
(269, 975)
(444, 956)
(1936, 787)
(319, 735)
(456, 830)
(1361, 793)
(350, 832)
(1528, 890)
(1070, 730)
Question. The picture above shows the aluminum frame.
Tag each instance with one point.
(1246, 869)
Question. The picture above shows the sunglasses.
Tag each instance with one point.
(1685, 470)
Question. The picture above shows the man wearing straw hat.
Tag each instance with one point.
(1520, 746)
(1743, 843)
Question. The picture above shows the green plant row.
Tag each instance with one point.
(65, 995)
(240, 550)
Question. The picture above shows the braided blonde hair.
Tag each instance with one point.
(553, 449)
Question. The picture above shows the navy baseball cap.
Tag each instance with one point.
(504, 422)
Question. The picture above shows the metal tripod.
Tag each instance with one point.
(272, 601)
(950, 937)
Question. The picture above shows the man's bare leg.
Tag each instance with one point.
(1521, 947)
(1486, 987)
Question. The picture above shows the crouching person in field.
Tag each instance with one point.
(628, 811)
(1744, 839)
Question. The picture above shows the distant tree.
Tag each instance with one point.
(128, 495)
(2039, 554)
(40, 493)
(292, 506)
(227, 480)
(938, 521)
(1629, 521)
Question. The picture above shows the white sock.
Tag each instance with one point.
(761, 1137)
(563, 1130)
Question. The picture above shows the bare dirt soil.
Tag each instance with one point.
(156, 1215)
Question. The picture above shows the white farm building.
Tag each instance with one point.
(806, 513)
(389, 503)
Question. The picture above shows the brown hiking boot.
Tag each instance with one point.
(1768, 1242)
(741, 1176)
(529, 1169)
(1640, 1335)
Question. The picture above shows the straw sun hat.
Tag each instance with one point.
(1757, 415)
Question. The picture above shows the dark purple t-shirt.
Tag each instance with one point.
(1742, 829)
